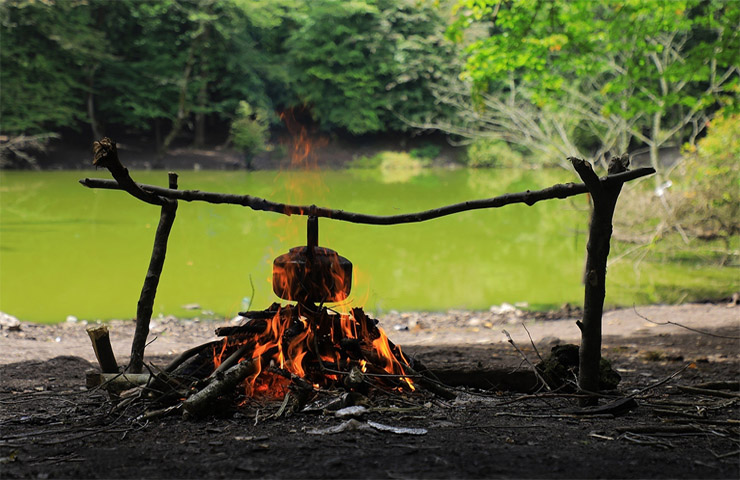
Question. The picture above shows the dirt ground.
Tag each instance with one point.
(53, 427)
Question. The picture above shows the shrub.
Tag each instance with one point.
(487, 153)
(249, 131)
(429, 152)
(708, 181)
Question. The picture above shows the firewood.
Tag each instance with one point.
(197, 404)
(101, 346)
(116, 382)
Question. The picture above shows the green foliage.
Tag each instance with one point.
(249, 130)
(365, 66)
(429, 152)
(486, 153)
(47, 48)
(709, 181)
(640, 70)
(390, 160)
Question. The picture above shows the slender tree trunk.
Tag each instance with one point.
(655, 148)
(94, 125)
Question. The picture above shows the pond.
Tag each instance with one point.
(68, 250)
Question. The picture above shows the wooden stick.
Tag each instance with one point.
(116, 381)
(145, 305)
(198, 403)
(260, 204)
(100, 339)
(599, 236)
(708, 392)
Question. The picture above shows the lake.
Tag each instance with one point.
(68, 250)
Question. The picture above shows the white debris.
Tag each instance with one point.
(9, 322)
(353, 425)
(397, 430)
(354, 411)
(71, 319)
(191, 306)
(348, 426)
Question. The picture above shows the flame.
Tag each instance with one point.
(318, 346)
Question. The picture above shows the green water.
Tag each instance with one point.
(69, 250)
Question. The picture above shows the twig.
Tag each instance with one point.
(532, 342)
(668, 322)
(706, 391)
(661, 382)
(534, 369)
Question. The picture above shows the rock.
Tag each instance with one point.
(9, 322)
(562, 366)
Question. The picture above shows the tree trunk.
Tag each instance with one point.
(94, 125)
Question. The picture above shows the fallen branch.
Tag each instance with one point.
(709, 392)
(668, 322)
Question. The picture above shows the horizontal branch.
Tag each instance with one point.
(260, 204)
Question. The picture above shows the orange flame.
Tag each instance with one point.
(312, 347)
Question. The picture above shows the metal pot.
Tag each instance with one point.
(312, 274)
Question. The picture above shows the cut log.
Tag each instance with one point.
(100, 338)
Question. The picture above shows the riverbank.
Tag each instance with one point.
(53, 427)
(656, 325)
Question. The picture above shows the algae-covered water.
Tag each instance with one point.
(68, 250)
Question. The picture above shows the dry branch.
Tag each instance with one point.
(260, 204)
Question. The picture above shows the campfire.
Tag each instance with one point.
(307, 343)
(291, 352)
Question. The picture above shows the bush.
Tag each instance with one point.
(488, 153)
(708, 181)
(389, 160)
(249, 131)
(427, 152)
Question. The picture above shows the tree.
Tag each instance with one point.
(634, 71)
(48, 50)
(365, 65)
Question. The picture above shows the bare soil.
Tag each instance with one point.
(53, 427)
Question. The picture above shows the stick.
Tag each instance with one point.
(534, 369)
(101, 346)
(116, 381)
(145, 305)
(197, 404)
(599, 237)
(105, 154)
(708, 392)
(261, 204)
